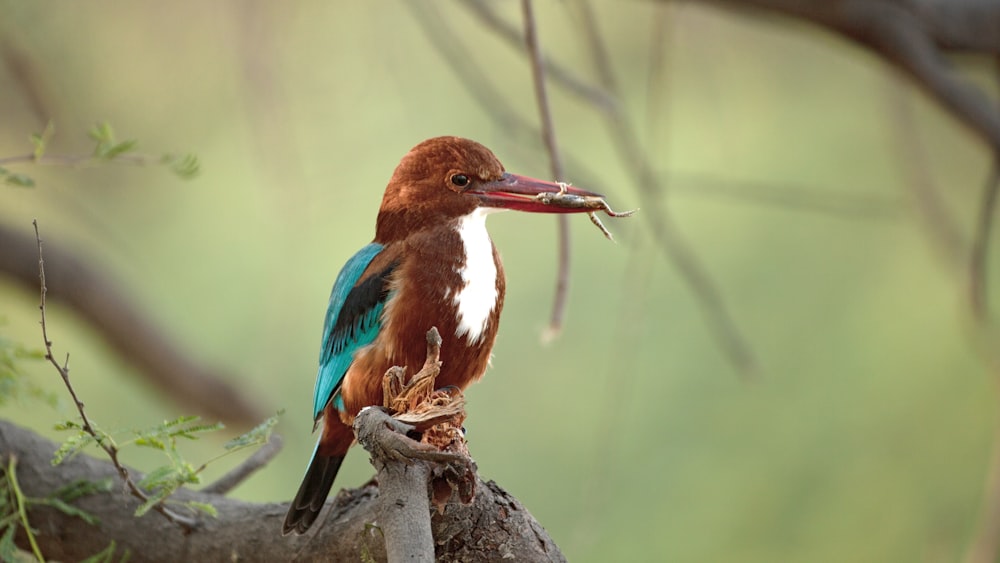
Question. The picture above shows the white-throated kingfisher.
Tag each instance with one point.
(432, 264)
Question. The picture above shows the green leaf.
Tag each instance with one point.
(14, 383)
(161, 436)
(107, 555)
(154, 499)
(61, 498)
(71, 510)
(28, 354)
(191, 432)
(102, 133)
(185, 167)
(203, 507)
(105, 137)
(69, 425)
(8, 550)
(158, 478)
(20, 180)
(187, 474)
(259, 434)
(39, 146)
(40, 140)
(81, 488)
(120, 148)
(183, 419)
(150, 442)
(72, 446)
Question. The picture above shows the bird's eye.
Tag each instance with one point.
(460, 180)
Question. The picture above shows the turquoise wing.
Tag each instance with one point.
(353, 320)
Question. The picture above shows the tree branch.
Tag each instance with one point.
(941, 228)
(593, 95)
(494, 524)
(485, 525)
(914, 36)
(978, 267)
(538, 67)
(666, 232)
(676, 249)
(102, 440)
(102, 303)
(403, 507)
(410, 471)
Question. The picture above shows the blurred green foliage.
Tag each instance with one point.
(14, 382)
(866, 435)
(14, 507)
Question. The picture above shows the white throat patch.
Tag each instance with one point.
(478, 296)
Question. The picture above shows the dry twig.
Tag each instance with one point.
(407, 467)
(986, 542)
(978, 293)
(676, 249)
(555, 164)
(98, 300)
(185, 523)
(665, 232)
(593, 95)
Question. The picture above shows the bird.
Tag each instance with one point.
(431, 264)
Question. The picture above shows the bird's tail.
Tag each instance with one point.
(315, 487)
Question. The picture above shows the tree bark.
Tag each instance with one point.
(494, 527)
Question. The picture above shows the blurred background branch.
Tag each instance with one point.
(103, 304)
(629, 150)
(914, 37)
(551, 143)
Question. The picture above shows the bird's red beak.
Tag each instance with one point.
(522, 193)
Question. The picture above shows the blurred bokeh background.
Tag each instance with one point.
(864, 434)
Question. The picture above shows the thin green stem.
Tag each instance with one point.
(22, 507)
(78, 159)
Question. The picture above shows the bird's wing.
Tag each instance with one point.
(353, 320)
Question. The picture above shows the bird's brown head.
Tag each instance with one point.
(444, 178)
